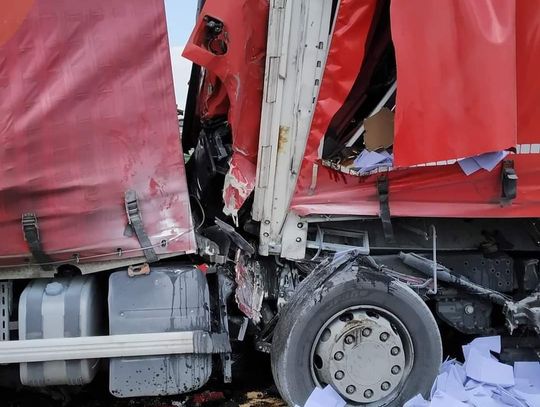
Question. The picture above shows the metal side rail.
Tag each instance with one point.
(113, 346)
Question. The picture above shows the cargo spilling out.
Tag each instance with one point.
(354, 184)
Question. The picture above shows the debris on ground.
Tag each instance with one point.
(483, 381)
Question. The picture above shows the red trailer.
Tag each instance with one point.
(361, 178)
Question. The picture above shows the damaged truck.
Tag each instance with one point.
(357, 182)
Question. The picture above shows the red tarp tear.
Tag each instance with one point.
(460, 30)
(87, 112)
(241, 70)
(343, 65)
(456, 63)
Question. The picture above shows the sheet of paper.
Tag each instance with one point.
(469, 166)
(483, 401)
(488, 161)
(529, 371)
(484, 345)
(417, 401)
(532, 399)
(370, 160)
(451, 382)
(447, 365)
(485, 369)
(479, 391)
(441, 399)
(326, 397)
(507, 397)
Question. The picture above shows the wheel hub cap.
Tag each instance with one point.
(362, 355)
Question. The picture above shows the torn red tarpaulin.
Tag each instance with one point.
(343, 65)
(456, 64)
(438, 191)
(87, 112)
(240, 67)
(444, 190)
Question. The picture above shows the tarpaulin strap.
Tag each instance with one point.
(509, 182)
(135, 221)
(31, 235)
(382, 188)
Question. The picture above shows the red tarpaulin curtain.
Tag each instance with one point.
(456, 62)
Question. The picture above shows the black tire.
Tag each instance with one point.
(319, 299)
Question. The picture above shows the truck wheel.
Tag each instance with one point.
(371, 337)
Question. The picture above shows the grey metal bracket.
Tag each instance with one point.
(135, 221)
(6, 299)
(225, 291)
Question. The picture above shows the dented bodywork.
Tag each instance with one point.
(229, 42)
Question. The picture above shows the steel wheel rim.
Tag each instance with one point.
(363, 333)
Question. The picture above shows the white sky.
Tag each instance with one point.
(181, 71)
(181, 16)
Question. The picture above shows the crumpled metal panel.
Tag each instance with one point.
(343, 65)
(241, 70)
(239, 184)
(87, 112)
(456, 62)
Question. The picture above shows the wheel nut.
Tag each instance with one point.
(339, 375)
(396, 369)
(338, 355)
(384, 336)
(350, 389)
(395, 351)
(385, 386)
(349, 339)
(368, 393)
(366, 332)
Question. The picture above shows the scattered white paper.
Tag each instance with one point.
(484, 345)
(417, 401)
(485, 369)
(326, 397)
(487, 161)
(483, 401)
(370, 160)
(507, 397)
(532, 398)
(528, 371)
(442, 399)
(482, 381)
(469, 166)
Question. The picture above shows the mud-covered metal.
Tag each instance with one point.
(87, 112)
